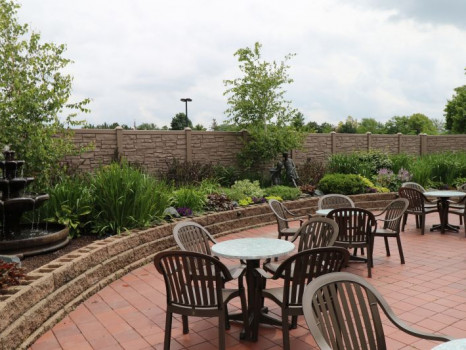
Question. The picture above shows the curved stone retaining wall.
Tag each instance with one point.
(52, 291)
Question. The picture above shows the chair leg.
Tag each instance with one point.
(244, 308)
(370, 263)
(387, 248)
(227, 319)
(221, 330)
(400, 248)
(422, 218)
(294, 322)
(286, 331)
(168, 331)
(418, 224)
(184, 318)
(405, 218)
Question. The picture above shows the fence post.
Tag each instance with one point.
(399, 142)
(423, 149)
(189, 148)
(369, 141)
(333, 141)
(119, 142)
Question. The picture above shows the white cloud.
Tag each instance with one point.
(136, 59)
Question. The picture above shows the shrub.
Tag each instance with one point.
(284, 192)
(219, 202)
(189, 198)
(311, 171)
(366, 164)
(70, 204)
(187, 173)
(226, 175)
(125, 198)
(274, 197)
(244, 188)
(342, 184)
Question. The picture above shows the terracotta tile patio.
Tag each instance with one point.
(428, 292)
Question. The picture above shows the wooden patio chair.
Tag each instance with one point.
(316, 232)
(194, 285)
(417, 207)
(297, 271)
(391, 224)
(284, 217)
(356, 230)
(335, 201)
(342, 311)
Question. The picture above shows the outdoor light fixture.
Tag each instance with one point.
(186, 100)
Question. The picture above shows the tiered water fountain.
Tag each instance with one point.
(17, 238)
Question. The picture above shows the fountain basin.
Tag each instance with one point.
(43, 238)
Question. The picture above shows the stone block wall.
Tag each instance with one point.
(154, 149)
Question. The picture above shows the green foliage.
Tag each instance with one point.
(370, 125)
(244, 188)
(401, 161)
(256, 102)
(278, 198)
(455, 111)
(180, 121)
(342, 184)
(70, 204)
(125, 198)
(189, 198)
(187, 173)
(364, 163)
(245, 202)
(412, 125)
(350, 126)
(285, 192)
(34, 95)
(226, 175)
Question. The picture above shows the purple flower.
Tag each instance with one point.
(184, 211)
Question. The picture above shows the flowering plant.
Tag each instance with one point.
(184, 211)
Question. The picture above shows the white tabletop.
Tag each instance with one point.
(252, 248)
(446, 193)
(457, 344)
(323, 212)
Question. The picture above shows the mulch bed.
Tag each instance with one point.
(33, 262)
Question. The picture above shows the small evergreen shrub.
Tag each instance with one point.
(342, 184)
(244, 188)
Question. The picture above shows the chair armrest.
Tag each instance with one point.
(263, 273)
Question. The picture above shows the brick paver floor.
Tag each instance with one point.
(428, 292)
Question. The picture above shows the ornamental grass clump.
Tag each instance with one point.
(126, 198)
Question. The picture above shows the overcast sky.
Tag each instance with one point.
(136, 58)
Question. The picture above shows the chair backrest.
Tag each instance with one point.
(334, 201)
(394, 213)
(316, 232)
(280, 213)
(342, 312)
(415, 197)
(190, 236)
(414, 185)
(192, 279)
(356, 225)
(300, 269)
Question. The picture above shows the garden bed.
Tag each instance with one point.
(53, 290)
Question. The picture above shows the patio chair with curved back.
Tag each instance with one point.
(391, 224)
(193, 237)
(417, 207)
(194, 285)
(296, 272)
(335, 201)
(342, 311)
(284, 217)
(317, 232)
(457, 206)
(356, 229)
(430, 202)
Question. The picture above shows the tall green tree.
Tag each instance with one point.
(412, 125)
(35, 97)
(455, 111)
(370, 125)
(180, 121)
(257, 103)
(350, 126)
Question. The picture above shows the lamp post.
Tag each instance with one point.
(186, 100)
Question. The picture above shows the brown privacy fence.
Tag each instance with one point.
(152, 149)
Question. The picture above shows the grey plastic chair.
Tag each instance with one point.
(391, 218)
(417, 207)
(284, 217)
(296, 272)
(335, 201)
(195, 287)
(342, 312)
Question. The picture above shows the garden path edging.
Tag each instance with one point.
(50, 292)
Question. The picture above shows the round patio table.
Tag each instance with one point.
(457, 344)
(443, 205)
(252, 250)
